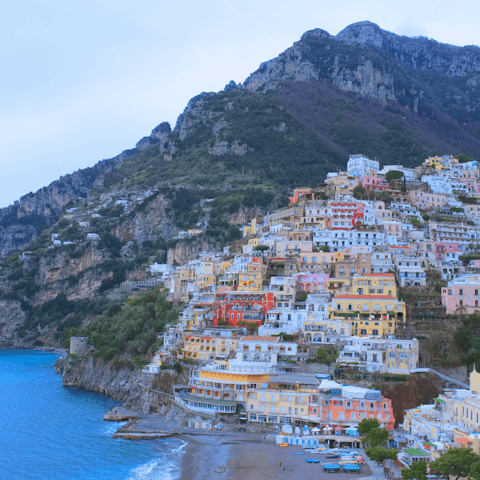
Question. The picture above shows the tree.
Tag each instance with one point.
(475, 471)
(261, 248)
(367, 424)
(462, 158)
(380, 454)
(394, 175)
(456, 462)
(417, 471)
(376, 437)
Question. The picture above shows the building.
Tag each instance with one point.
(461, 295)
(380, 355)
(375, 315)
(359, 165)
(344, 405)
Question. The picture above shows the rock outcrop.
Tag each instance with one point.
(12, 317)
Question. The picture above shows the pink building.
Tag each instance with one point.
(447, 251)
(372, 182)
(462, 295)
(312, 283)
(346, 405)
(299, 193)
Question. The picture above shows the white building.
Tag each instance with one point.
(371, 354)
(359, 165)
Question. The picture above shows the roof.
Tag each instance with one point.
(252, 338)
(364, 297)
(192, 398)
(378, 275)
(417, 452)
(430, 444)
(293, 378)
(463, 440)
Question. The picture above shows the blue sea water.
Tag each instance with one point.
(49, 432)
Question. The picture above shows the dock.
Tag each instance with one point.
(135, 431)
(120, 414)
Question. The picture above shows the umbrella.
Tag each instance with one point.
(315, 429)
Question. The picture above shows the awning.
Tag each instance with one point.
(440, 400)
(463, 440)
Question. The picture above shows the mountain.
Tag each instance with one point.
(234, 154)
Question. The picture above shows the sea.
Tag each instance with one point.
(52, 432)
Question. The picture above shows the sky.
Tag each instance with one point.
(83, 81)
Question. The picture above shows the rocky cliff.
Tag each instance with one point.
(11, 318)
(122, 383)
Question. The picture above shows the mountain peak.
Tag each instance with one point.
(316, 32)
(367, 34)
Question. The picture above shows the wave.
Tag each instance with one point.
(163, 468)
(111, 428)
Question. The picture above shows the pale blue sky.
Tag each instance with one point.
(82, 81)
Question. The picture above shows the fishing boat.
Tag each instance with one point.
(331, 467)
(312, 450)
(346, 462)
(352, 468)
(313, 460)
(298, 453)
(284, 444)
(332, 455)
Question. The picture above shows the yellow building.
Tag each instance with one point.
(312, 222)
(374, 284)
(250, 229)
(267, 405)
(208, 347)
(224, 384)
(369, 314)
(205, 280)
(252, 278)
(250, 246)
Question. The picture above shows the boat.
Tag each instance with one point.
(284, 444)
(348, 462)
(298, 453)
(352, 468)
(311, 450)
(332, 455)
(313, 460)
(331, 467)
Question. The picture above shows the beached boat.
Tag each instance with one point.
(345, 462)
(331, 467)
(313, 460)
(332, 455)
(284, 444)
(311, 450)
(298, 453)
(352, 468)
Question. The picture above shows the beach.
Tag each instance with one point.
(250, 457)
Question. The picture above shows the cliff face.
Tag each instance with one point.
(122, 384)
(11, 318)
(22, 222)
(148, 224)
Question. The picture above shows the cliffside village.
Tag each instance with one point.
(323, 276)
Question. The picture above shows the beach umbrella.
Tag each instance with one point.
(315, 430)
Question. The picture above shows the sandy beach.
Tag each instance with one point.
(249, 457)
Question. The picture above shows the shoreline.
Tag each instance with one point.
(61, 352)
(251, 457)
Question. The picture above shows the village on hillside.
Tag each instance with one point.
(314, 299)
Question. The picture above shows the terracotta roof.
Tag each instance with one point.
(364, 297)
(252, 338)
(378, 275)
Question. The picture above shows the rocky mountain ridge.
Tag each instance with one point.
(232, 155)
